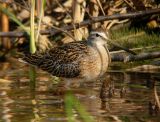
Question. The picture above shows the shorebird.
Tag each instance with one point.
(75, 61)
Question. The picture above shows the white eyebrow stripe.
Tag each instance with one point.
(95, 32)
(100, 33)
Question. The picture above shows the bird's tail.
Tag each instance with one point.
(33, 59)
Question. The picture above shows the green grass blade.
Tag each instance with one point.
(69, 107)
(32, 44)
(13, 17)
(32, 32)
(71, 102)
(82, 111)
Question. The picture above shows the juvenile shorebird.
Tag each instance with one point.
(75, 61)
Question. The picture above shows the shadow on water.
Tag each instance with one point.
(125, 99)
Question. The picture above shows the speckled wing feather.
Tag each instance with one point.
(61, 61)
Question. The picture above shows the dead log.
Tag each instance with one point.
(130, 58)
(85, 23)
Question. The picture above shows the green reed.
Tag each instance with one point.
(32, 43)
(14, 18)
(34, 34)
(72, 104)
(30, 33)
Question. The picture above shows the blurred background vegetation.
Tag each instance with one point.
(54, 14)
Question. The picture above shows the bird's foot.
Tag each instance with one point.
(60, 90)
(122, 92)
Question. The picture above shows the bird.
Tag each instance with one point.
(77, 61)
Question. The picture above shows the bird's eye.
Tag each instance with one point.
(97, 35)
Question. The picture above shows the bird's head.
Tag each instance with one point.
(98, 38)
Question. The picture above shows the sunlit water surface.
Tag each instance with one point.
(18, 103)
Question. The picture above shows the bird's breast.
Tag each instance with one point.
(95, 63)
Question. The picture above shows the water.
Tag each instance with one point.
(19, 103)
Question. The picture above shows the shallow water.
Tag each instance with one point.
(19, 103)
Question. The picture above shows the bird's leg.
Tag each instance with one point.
(111, 91)
(66, 84)
(122, 92)
(123, 87)
(60, 89)
(106, 92)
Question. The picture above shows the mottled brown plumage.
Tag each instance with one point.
(83, 60)
(61, 61)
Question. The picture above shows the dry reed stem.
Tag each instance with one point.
(78, 16)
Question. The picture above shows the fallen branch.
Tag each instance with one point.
(130, 58)
(86, 22)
